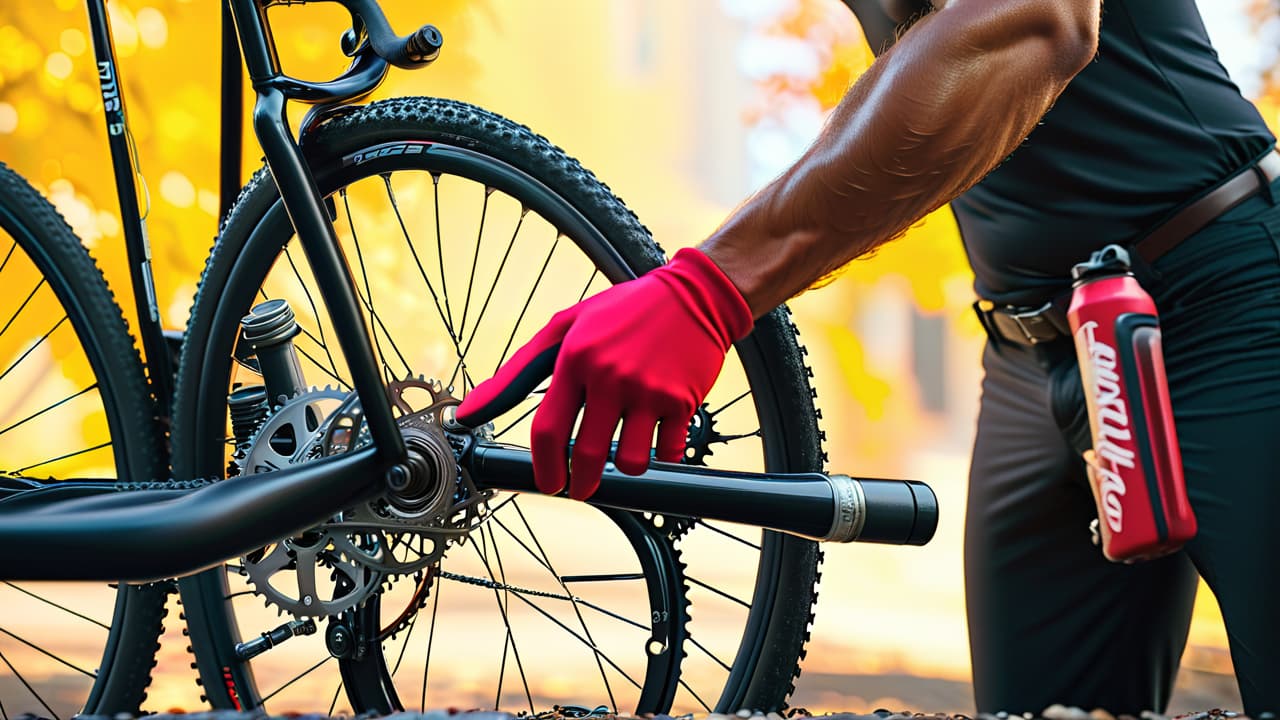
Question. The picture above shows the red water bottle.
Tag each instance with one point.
(1135, 467)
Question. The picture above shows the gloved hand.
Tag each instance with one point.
(643, 352)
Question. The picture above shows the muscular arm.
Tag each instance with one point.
(883, 20)
(933, 115)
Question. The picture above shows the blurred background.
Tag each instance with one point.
(683, 108)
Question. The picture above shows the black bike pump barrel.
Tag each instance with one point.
(269, 328)
(831, 508)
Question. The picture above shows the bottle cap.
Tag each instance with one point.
(1110, 260)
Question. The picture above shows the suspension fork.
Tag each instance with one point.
(302, 201)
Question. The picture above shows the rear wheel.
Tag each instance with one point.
(465, 232)
(73, 406)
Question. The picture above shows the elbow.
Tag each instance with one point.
(1060, 36)
(1074, 33)
(1070, 30)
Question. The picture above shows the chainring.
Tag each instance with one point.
(368, 546)
(288, 572)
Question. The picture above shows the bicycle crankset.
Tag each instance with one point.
(401, 532)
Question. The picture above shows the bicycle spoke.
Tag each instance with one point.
(322, 368)
(322, 342)
(64, 457)
(444, 282)
(33, 347)
(510, 638)
(695, 695)
(536, 284)
(27, 685)
(523, 415)
(576, 636)
(65, 609)
(610, 577)
(38, 413)
(502, 671)
(507, 622)
(475, 260)
(377, 320)
(13, 246)
(546, 561)
(408, 634)
(418, 261)
(528, 528)
(614, 615)
(506, 501)
(729, 404)
(492, 287)
(540, 561)
(367, 299)
(297, 677)
(710, 654)
(727, 534)
(594, 274)
(48, 654)
(431, 636)
(717, 591)
(334, 703)
(23, 306)
(740, 436)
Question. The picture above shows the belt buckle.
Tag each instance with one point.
(1029, 322)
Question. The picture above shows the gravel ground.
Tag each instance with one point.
(1056, 712)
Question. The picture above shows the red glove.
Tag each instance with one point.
(642, 352)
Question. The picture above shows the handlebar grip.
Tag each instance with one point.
(415, 49)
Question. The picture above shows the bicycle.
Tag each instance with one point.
(353, 507)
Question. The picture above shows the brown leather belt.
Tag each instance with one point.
(1195, 216)
(1035, 325)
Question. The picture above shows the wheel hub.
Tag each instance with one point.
(426, 491)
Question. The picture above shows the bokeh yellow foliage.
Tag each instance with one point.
(168, 53)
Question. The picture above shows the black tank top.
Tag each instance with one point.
(1150, 124)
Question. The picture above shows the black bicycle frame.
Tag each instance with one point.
(83, 530)
(137, 245)
(301, 199)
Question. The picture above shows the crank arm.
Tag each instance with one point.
(832, 508)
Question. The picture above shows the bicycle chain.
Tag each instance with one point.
(194, 484)
(495, 585)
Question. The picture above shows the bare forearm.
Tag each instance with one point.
(931, 117)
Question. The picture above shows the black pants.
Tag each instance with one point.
(1052, 621)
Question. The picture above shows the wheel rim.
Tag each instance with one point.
(725, 605)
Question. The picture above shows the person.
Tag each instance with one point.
(1054, 127)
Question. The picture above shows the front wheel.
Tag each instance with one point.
(465, 232)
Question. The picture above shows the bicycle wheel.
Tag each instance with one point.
(73, 405)
(465, 232)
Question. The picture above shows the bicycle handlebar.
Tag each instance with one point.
(414, 50)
